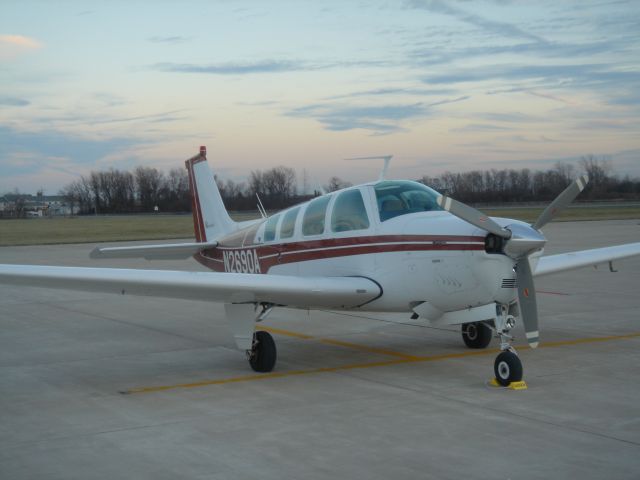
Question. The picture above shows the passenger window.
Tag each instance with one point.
(270, 228)
(289, 223)
(313, 220)
(349, 212)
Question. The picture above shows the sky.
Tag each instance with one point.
(441, 85)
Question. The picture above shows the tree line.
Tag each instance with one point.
(145, 188)
(524, 185)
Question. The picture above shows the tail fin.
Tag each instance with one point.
(210, 217)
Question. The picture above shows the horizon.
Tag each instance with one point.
(443, 86)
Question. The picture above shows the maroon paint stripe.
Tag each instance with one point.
(302, 256)
(198, 222)
(270, 257)
(194, 210)
(339, 242)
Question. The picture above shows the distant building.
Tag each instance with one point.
(24, 205)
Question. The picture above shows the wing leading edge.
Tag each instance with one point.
(584, 258)
(302, 292)
(171, 251)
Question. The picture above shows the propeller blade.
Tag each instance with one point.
(527, 301)
(473, 216)
(561, 201)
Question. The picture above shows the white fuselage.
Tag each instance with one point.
(429, 256)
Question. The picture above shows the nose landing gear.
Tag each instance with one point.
(507, 366)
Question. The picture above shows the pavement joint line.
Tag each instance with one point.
(354, 366)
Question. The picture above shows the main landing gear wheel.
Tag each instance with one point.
(262, 356)
(508, 368)
(476, 335)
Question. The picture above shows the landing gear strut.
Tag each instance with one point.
(262, 355)
(507, 367)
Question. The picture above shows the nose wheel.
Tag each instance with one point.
(262, 356)
(507, 368)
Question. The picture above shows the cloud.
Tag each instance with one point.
(20, 41)
(13, 45)
(449, 100)
(169, 39)
(102, 119)
(54, 144)
(501, 28)
(109, 99)
(436, 56)
(514, 117)
(379, 92)
(13, 101)
(264, 66)
(481, 127)
(564, 75)
(381, 120)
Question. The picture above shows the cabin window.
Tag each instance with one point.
(349, 212)
(313, 220)
(289, 223)
(270, 228)
(402, 197)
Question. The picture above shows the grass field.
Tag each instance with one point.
(39, 231)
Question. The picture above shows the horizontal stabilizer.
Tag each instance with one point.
(170, 251)
(287, 290)
(584, 258)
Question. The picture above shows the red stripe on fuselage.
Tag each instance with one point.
(283, 253)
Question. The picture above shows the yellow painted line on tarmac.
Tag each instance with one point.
(580, 341)
(354, 366)
(286, 333)
(339, 343)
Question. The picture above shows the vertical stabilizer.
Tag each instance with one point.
(210, 217)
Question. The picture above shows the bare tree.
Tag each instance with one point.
(336, 183)
(149, 181)
(598, 170)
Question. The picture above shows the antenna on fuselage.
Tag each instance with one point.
(386, 158)
(263, 212)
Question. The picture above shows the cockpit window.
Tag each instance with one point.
(270, 228)
(349, 212)
(402, 197)
(313, 220)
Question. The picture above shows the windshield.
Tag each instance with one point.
(401, 197)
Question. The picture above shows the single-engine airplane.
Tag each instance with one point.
(385, 246)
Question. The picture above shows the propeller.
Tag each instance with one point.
(472, 216)
(567, 196)
(519, 242)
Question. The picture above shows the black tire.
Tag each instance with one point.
(507, 368)
(263, 352)
(476, 335)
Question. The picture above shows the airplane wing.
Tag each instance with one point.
(584, 258)
(171, 251)
(285, 290)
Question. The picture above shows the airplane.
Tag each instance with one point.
(383, 246)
